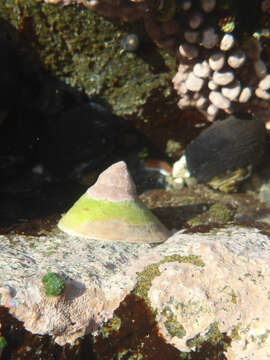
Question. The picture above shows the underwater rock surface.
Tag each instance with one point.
(200, 286)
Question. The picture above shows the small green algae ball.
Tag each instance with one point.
(3, 342)
(53, 284)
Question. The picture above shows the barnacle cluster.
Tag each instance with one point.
(221, 68)
(217, 72)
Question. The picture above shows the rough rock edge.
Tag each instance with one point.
(227, 285)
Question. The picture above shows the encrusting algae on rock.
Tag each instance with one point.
(111, 210)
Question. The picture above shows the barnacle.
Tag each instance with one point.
(130, 42)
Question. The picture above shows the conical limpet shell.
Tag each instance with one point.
(111, 210)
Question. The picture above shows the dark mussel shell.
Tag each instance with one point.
(227, 145)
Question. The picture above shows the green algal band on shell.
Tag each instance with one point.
(120, 221)
(88, 209)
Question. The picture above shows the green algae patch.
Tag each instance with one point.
(235, 332)
(220, 213)
(84, 50)
(227, 290)
(3, 343)
(152, 271)
(53, 284)
(88, 209)
(173, 326)
(213, 337)
(112, 326)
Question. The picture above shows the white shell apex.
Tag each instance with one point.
(114, 184)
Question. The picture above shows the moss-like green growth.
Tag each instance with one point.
(232, 296)
(3, 342)
(150, 272)
(213, 337)
(113, 325)
(84, 50)
(235, 332)
(220, 213)
(173, 327)
(53, 284)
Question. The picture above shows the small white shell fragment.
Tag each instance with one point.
(226, 42)
(202, 69)
(267, 125)
(212, 85)
(179, 183)
(201, 102)
(217, 61)
(180, 168)
(223, 78)
(262, 94)
(184, 101)
(232, 91)
(191, 36)
(236, 59)
(182, 89)
(188, 51)
(245, 94)
(264, 84)
(195, 20)
(177, 79)
(220, 101)
(183, 71)
(179, 85)
(194, 83)
(208, 5)
(212, 110)
(209, 38)
(186, 5)
(260, 68)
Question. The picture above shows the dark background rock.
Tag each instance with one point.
(51, 135)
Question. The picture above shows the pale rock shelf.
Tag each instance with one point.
(220, 279)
